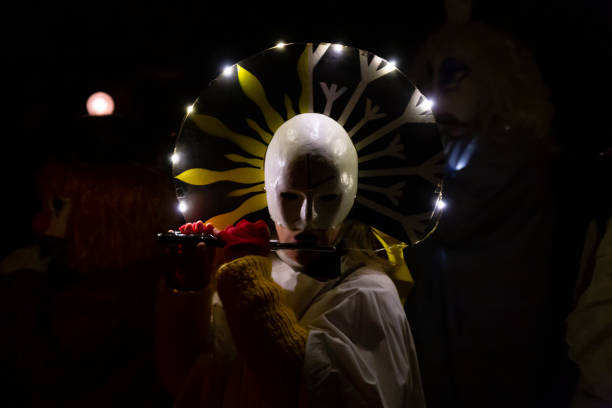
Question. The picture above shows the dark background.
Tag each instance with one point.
(154, 60)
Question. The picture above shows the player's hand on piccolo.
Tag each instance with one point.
(190, 267)
(245, 238)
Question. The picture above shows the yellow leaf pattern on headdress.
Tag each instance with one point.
(214, 127)
(203, 177)
(253, 204)
(255, 91)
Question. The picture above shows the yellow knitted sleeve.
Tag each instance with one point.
(266, 332)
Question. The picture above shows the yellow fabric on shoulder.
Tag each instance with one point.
(400, 275)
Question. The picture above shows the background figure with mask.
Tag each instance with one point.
(293, 327)
(481, 307)
(76, 304)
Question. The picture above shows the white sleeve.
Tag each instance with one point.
(360, 351)
(589, 326)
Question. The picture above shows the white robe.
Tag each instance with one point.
(359, 351)
(589, 326)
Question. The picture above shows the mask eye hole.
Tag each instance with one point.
(328, 197)
(288, 196)
(57, 204)
(452, 71)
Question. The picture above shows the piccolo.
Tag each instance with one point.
(175, 237)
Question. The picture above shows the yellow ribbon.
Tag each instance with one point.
(400, 274)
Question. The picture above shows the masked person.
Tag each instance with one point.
(481, 308)
(295, 327)
(77, 303)
(332, 327)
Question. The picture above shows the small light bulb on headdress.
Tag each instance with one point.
(427, 103)
(227, 71)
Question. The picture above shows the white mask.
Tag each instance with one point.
(310, 173)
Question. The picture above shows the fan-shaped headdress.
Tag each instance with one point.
(220, 150)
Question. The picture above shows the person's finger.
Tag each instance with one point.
(198, 227)
(261, 229)
(188, 229)
(242, 223)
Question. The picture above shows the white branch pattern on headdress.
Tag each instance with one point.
(331, 94)
(415, 112)
(393, 149)
(369, 73)
(428, 170)
(393, 192)
(412, 224)
(371, 113)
